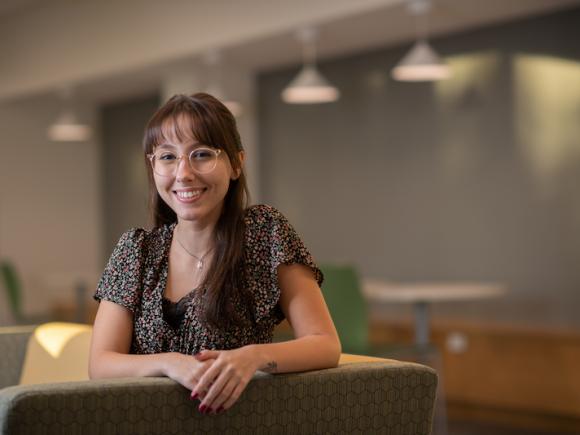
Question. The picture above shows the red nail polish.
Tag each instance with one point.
(202, 408)
(220, 409)
(194, 396)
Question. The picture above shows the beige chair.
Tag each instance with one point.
(57, 352)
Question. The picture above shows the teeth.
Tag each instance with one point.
(189, 194)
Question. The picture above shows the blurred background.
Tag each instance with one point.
(465, 179)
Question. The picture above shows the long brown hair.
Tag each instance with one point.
(206, 119)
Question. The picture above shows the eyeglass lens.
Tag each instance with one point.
(201, 160)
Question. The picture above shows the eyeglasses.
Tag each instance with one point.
(201, 160)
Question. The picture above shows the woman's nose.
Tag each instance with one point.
(184, 170)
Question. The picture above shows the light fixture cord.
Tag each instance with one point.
(307, 35)
(420, 9)
(422, 21)
(309, 53)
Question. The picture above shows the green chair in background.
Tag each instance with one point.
(347, 306)
(11, 283)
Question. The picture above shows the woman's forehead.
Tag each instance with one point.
(178, 129)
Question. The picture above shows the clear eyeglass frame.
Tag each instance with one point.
(215, 151)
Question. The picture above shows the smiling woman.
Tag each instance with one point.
(197, 297)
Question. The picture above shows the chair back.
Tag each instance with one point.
(347, 306)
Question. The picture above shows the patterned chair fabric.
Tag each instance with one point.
(379, 397)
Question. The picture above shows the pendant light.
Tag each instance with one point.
(67, 127)
(214, 64)
(421, 63)
(309, 86)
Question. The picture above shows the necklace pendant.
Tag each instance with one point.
(200, 264)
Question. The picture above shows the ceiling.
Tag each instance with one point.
(386, 25)
(19, 6)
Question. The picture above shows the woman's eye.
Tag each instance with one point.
(166, 156)
(202, 154)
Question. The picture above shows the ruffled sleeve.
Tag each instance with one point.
(272, 241)
(121, 281)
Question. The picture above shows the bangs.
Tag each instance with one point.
(182, 123)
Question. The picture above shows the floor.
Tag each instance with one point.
(470, 428)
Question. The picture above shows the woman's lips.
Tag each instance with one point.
(189, 195)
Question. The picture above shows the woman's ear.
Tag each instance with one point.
(238, 171)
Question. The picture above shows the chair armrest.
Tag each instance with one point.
(376, 397)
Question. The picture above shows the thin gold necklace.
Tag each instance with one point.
(199, 259)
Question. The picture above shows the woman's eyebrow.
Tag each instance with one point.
(171, 145)
(165, 145)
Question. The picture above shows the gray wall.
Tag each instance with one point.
(475, 178)
(50, 222)
(124, 177)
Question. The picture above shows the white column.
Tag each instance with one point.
(237, 84)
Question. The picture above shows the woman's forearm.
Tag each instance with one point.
(306, 353)
(182, 368)
(117, 365)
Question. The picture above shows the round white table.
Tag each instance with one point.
(421, 294)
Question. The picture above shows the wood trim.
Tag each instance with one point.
(504, 370)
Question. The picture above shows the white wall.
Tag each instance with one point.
(50, 215)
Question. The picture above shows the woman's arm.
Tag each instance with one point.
(110, 358)
(316, 345)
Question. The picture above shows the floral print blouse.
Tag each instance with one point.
(136, 275)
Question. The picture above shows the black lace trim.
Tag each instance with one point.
(174, 312)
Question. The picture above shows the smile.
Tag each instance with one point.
(189, 195)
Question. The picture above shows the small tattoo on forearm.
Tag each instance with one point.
(271, 367)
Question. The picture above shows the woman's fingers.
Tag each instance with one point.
(234, 396)
(195, 374)
(204, 383)
(230, 372)
(207, 354)
(217, 395)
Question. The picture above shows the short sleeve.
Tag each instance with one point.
(121, 281)
(280, 245)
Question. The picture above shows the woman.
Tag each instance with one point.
(247, 267)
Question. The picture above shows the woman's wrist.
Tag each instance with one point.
(264, 361)
(166, 361)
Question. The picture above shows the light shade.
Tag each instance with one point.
(309, 87)
(421, 63)
(233, 106)
(68, 129)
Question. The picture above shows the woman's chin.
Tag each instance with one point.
(197, 214)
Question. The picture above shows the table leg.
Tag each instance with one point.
(422, 323)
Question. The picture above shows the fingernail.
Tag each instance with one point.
(220, 409)
(194, 396)
(202, 408)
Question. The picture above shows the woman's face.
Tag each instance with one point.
(191, 195)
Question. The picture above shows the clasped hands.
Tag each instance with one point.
(219, 377)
